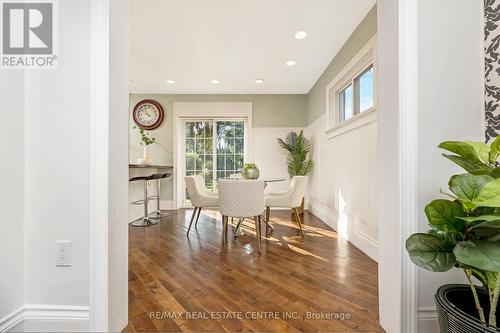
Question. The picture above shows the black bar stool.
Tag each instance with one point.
(144, 221)
(158, 177)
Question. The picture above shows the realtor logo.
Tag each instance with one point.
(28, 34)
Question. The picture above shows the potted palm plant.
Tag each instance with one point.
(298, 148)
(465, 234)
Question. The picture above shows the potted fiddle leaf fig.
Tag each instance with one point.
(465, 234)
(299, 163)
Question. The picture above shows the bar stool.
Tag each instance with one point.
(145, 220)
(158, 177)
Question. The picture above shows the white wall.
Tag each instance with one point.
(55, 166)
(269, 156)
(12, 194)
(344, 182)
(451, 79)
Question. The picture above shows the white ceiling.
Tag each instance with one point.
(236, 42)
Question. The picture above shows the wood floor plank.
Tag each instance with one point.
(318, 283)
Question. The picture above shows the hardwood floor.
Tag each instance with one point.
(320, 283)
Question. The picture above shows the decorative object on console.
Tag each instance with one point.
(250, 171)
(298, 161)
(465, 233)
(148, 114)
(146, 141)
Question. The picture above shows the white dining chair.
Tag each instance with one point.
(242, 198)
(291, 198)
(200, 197)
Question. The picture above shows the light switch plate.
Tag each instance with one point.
(63, 252)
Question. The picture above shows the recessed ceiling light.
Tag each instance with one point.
(215, 81)
(259, 81)
(170, 81)
(291, 63)
(300, 34)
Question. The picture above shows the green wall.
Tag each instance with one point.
(316, 101)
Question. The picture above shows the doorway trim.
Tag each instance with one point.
(200, 110)
(99, 166)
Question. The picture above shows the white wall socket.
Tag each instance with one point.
(63, 253)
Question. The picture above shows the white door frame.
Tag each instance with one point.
(99, 155)
(402, 319)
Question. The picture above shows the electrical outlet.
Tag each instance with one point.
(63, 253)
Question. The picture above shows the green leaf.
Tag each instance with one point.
(489, 196)
(470, 152)
(482, 150)
(495, 150)
(492, 217)
(465, 163)
(480, 254)
(430, 252)
(442, 215)
(488, 224)
(467, 188)
(495, 173)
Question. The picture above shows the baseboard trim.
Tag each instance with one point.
(167, 204)
(427, 319)
(11, 320)
(35, 317)
(329, 216)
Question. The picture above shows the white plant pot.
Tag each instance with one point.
(145, 156)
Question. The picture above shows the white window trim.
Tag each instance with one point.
(360, 62)
(204, 110)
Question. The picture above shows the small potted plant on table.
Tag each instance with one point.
(146, 141)
(465, 234)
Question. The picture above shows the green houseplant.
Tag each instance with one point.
(146, 141)
(465, 228)
(299, 163)
(298, 148)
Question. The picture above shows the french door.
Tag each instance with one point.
(214, 149)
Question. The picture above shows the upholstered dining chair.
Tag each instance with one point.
(291, 198)
(241, 198)
(200, 197)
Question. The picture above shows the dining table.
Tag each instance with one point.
(237, 228)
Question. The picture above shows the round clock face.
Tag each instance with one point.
(148, 114)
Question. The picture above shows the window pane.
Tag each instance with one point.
(199, 130)
(230, 162)
(199, 146)
(239, 129)
(189, 145)
(345, 102)
(189, 162)
(209, 162)
(208, 130)
(190, 130)
(239, 162)
(239, 146)
(208, 146)
(366, 89)
(199, 163)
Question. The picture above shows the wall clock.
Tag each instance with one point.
(148, 114)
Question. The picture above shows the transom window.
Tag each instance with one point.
(351, 97)
(357, 96)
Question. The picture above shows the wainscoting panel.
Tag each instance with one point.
(343, 187)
